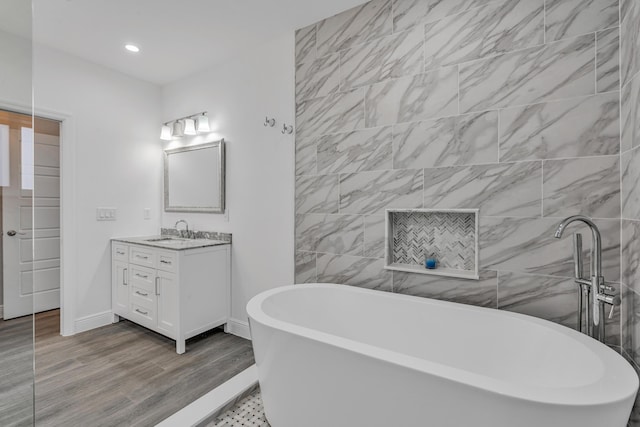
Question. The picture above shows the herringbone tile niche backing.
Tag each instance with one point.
(451, 237)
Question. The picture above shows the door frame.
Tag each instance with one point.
(68, 232)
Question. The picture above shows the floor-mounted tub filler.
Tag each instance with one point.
(335, 355)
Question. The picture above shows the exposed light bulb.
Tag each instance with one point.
(132, 48)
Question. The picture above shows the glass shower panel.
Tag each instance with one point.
(16, 210)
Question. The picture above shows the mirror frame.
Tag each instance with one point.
(221, 167)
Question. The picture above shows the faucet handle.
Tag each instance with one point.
(577, 255)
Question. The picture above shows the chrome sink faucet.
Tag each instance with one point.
(186, 230)
(594, 291)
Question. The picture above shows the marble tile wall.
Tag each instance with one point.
(630, 186)
(510, 106)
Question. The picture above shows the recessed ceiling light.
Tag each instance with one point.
(132, 48)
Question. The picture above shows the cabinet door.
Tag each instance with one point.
(167, 297)
(120, 287)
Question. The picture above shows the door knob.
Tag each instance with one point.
(14, 232)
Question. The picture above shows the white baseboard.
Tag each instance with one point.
(1, 311)
(206, 406)
(93, 321)
(238, 328)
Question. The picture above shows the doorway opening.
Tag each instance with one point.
(30, 207)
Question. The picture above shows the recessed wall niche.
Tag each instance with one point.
(448, 236)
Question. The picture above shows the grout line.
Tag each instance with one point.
(544, 22)
(458, 78)
(499, 114)
(542, 189)
(504, 163)
(595, 62)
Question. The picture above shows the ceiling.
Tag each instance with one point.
(176, 37)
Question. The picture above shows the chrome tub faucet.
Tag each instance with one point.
(593, 293)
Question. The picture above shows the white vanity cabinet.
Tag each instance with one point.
(177, 293)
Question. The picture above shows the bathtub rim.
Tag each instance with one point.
(602, 391)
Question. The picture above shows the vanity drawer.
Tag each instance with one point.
(120, 252)
(143, 278)
(142, 297)
(142, 256)
(167, 261)
(144, 315)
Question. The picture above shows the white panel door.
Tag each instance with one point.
(168, 302)
(31, 226)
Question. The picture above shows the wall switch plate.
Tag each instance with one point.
(106, 214)
(146, 213)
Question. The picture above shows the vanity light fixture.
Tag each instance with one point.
(165, 133)
(202, 123)
(188, 125)
(177, 129)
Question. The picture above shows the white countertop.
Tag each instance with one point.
(171, 242)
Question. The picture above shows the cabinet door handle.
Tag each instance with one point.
(142, 257)
(142, 293)
(142, 312)
(124, 276)
(142, 276)
(165, 262)
(120, 253)
(157, 285)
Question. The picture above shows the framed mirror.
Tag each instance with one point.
(194, 178)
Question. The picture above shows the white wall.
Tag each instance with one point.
(260, 161)
(112, 143)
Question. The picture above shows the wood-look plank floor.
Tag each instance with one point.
(16, 372)
(126, 375)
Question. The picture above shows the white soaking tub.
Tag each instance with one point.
(339, 356)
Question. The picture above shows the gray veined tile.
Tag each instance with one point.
(374, 236)
(587, 186)
(355, 271)
(305, 156)
(580, 127)
(630, 191)
(481, 292)
(317, 194)
(630, 43)
(373, 192)
(546, 297)
(608, 60)
(630, 262)
(339, 112)
(569, 18)
(362, 150)
(305, 44)
(409, 13)
(388, 57)
(335, 234)
(459, 140)
(557, 70)
(630, 114)
(429, 95)
(630, 323)
(490, 30)
(318, 78)
(305, 267)
(507, 189)
(625, 5)
(356, 25)
(528, 245)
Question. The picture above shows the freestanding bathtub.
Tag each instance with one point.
(338, 356)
